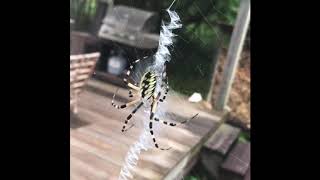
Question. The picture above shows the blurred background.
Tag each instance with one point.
(201, 45)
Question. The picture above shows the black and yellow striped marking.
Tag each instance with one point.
(146, 90)
(148, 85)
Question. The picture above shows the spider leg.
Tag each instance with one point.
(165, 94)
(165, 80)
(154, 139)
(174, 124)
(130, 69)
(165, 122)
(125, 130)
(154, 105)
(128, 74)
(123, 105)
(132, 94)
(133, 86)
(136, 61)
(153, 109)
(130, 116)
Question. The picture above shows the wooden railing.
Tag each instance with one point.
(81, 68)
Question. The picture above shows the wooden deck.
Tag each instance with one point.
(98, 147)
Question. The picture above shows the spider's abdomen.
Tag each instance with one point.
(148, 85)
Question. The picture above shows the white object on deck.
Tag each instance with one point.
(196, 97)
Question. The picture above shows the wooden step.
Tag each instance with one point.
(216, 147)
(238, 159)
(222, 140)
(248, 174)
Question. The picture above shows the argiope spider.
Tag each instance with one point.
(149, 90)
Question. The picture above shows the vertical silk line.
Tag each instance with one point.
(161, 56)
(166, 38)
(132, 156)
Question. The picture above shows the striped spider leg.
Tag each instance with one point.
(134, 91)
(166, 90)
(152, 117)
(145, 91)
(165, 82)
(125, 106)
(130, 70)
(153, 109)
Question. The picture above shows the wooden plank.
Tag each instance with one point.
(108, 128)
(99, 166)
(81, 67)
(101, 139)
(77, 173)
(98, 145)
(155, 167)
(177, 141)
(102, 105)
(72, 101)
(83, 64)
(93, 148)
(248, 175)
(82, 77)
(222, 139)
(82, 170)
(233, 56)
(211, 162)
(84, 70)
(180, 133)
(238, 160)
(84, 56)
(76, 80)
(77, 85)
(180, 110)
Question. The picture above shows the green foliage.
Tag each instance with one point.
(198, 172)
(191, 67)
(192, 178)
(82, 11)
(207, 25)
(244, 137)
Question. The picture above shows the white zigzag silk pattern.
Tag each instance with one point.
(166, 38)
(133, 155)
(161, 56)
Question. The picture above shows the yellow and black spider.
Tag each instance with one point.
(153, 84)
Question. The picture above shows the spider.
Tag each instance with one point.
(151, 87)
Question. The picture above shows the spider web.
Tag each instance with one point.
(144, 142)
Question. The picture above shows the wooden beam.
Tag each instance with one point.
(214, 74)
(235, 48)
